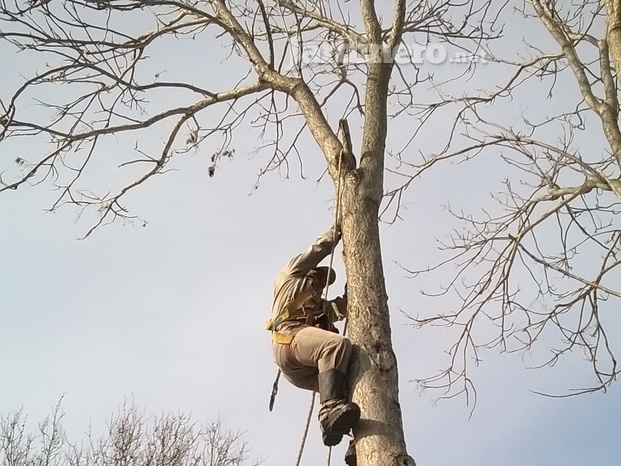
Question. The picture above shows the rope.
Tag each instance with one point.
(336, 221)
(336, 217)
(308, 421)
(312, 405)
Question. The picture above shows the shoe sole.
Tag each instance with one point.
(341, 426)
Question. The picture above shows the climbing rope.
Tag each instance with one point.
(312, 405)
(306, 427)
(336, 220)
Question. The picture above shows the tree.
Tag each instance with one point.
(131, 439)
(544, 261)
(96, 56)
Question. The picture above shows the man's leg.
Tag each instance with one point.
(330, 354)
(299, 375)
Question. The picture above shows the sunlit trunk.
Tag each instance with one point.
(373, 375)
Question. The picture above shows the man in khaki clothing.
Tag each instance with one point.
(306, 346)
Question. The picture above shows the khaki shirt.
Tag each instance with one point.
(292, 281)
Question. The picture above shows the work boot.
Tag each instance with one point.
(350, 454)
(337, 416)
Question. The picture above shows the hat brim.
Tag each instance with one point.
(327, 272)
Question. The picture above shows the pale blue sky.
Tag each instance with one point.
(172, 316)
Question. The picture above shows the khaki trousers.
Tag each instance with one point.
(312, 350)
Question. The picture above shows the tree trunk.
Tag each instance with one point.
(613, 34)
(373, 375)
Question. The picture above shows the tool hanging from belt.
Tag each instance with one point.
(293, 311)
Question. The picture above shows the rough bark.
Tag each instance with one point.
(613, 33)
(373, 376)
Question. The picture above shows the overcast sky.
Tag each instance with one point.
(172, 316)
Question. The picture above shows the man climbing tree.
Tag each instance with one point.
(306, 346)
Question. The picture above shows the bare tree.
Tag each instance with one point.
(96, 54)
(544, 260)
(131, 439)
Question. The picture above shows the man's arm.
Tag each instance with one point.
(301, 264)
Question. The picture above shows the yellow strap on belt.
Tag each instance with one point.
(282, 338)
(290, 310)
